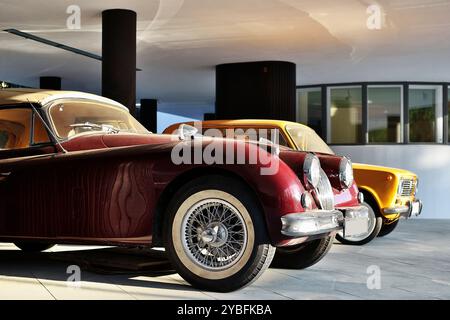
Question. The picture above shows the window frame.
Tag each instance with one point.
(364, 84)
(402, 112)
(438, 112)
(32, 126)
(328, 112)
(307, 90)
(445, 117)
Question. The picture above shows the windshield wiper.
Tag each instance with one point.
(103, 127)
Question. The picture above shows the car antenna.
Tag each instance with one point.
(47, 127)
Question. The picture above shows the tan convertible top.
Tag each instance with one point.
(14, 96)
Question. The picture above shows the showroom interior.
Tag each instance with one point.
(372, 78)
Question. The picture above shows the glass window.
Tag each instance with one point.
(448, 116)
(73, 118)
(425, 114)
(309, 108)
(307, 140)
(248, 133)
(384, 105)
(345, 110)
(40, 134)
(15, 127)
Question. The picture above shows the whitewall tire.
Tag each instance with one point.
(215, 234)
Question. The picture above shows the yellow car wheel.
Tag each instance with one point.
(387, 228)
(303, 255)
(375, 223)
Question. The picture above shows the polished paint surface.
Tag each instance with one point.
(107, 188)
(380, 182)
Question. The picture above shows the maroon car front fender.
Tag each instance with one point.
(278, 193)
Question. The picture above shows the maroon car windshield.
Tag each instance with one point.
(73, 118)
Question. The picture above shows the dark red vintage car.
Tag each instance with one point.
(79, 169)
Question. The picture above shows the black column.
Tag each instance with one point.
(209, 116)
(324, 120)
(51, 83)
(364, 132)
(406, 113)
(258, 90)
(148, 114)
(119, 56)
(445, 112)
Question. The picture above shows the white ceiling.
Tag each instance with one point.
(180, 42)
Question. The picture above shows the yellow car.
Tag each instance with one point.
(388, 192)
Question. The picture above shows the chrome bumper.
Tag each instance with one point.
(396, 210)
(352, 220)
(413, 209)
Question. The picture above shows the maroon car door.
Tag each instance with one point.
(106, 195)
(80, 195)
(21, 136)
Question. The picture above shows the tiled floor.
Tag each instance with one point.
(413, 263)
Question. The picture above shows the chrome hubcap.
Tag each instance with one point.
(214, 234)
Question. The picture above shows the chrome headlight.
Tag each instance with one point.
(346, 172)
(311, 170)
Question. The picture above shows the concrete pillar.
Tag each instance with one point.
(148, 114)
(256, 90)
(51, 83)
(209, 116)
(119, 56)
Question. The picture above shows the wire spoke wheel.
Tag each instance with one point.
(216, 235)
(213, 234)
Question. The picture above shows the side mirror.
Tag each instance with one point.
(186, 131)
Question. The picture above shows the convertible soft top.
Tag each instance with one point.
(13, 96)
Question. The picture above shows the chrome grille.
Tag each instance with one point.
(324, 192)
(406, 188)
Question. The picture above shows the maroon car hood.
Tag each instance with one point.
(122, 140)
(101, 141)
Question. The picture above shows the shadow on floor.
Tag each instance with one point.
(119, 266)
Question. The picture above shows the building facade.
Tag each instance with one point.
(397, 124)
